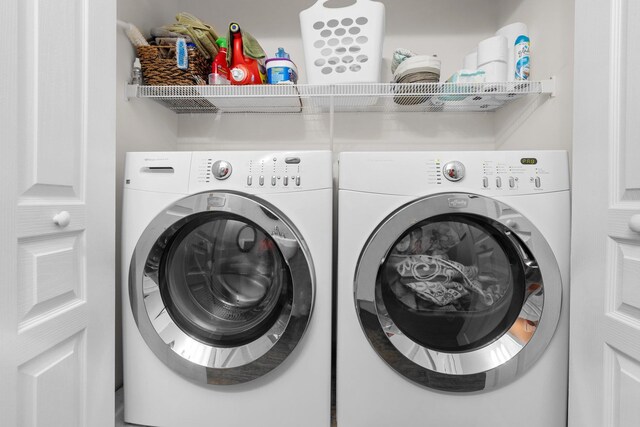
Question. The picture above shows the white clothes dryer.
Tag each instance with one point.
(453, 289)
(226, 278)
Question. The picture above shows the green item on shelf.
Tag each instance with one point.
(203, 35)
(250, 47)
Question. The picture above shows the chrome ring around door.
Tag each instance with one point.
(492, 365)
(182, 352)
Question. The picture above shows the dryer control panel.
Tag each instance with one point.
(482, 172)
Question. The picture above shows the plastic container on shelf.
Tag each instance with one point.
(244, 69)
(343, 45)
(281, 69)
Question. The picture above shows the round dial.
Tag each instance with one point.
(221, 169)
(453, 171)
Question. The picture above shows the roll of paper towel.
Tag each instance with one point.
(471, 61)
(512, 32)
(492, 49)
(492, 58)
(495, 71)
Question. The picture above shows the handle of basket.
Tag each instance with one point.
(320, 3)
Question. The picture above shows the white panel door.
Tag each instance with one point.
(57, 118)
(605, 286)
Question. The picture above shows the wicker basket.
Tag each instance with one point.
(160, 71)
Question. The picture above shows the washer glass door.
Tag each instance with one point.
(458, 292)
(223, 280)
(221, 287)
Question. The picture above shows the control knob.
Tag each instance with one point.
(221, 170)
(453, 171)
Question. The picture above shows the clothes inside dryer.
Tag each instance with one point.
(223, 280)
(452, 283)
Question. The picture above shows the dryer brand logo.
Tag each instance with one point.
(458, 203)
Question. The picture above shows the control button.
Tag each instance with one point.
(261, 180)
(292, 160)
(273, 181)
(249, 180)
(485, 182)
(221, 170)
(498, 182)
(453, 171)
(537, 181)
(298, 180)
(512, 182)
(285, 180)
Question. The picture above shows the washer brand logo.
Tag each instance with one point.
(458, 203)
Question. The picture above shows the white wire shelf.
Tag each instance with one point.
(313, 99)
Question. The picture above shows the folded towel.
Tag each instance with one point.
(203, 35)
(250, 46)
(400, 55)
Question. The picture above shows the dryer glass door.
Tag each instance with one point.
(221, 287)
(458, 292)
(454, 283)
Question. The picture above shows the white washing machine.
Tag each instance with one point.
(453, 289)
(227, 288)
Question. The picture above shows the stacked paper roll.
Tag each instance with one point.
(471, 61)
(511, 32)
(492, 58)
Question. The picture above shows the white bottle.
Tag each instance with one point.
(136, 72)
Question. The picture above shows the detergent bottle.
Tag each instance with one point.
(244, 70)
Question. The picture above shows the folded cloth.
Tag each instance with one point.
(250, 46)
(425, 267)
(437, 292)
(400, 55)
(203, 35)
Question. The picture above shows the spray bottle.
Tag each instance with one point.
(522, 53)
(220, 74)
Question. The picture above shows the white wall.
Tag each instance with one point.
(549, 125)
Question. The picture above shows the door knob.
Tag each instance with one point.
(62, 219)
(634, 223)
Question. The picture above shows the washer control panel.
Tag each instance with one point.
(483, 172)
(260, 171)
(276, 171)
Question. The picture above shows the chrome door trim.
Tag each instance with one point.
(189, 357)
(488, 367)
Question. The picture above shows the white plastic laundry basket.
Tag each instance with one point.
(343, 45)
